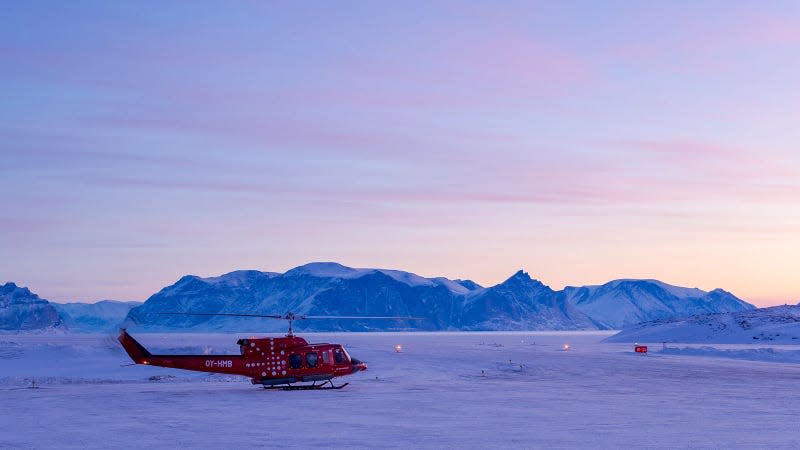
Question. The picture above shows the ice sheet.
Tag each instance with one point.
(445, 390)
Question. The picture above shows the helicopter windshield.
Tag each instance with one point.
(340, 356)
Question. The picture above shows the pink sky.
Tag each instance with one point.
(580, 141)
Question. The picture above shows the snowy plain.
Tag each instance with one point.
(444, 390)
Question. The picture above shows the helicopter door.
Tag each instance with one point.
(326, 357)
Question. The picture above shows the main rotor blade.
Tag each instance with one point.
(363, 317)
(219, 314)
(286, 317)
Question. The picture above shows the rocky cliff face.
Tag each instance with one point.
(22, 310)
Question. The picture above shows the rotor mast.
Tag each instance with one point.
(290, 317)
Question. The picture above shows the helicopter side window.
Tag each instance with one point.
(311, 360)
(326, 357)
(338, 355)
(295, 361)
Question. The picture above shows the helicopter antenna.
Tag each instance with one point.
(290, 316)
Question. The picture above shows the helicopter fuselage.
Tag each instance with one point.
(269, 361)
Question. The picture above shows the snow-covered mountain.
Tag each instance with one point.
(22, 310)
(519, 303)
(774, 325)
(312, 289)
(621, 303)
(98, 317)
(331, 289)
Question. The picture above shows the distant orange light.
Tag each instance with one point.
(398, 348)
(566, 347)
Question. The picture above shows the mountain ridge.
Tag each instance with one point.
(623, 302)
(327, 288)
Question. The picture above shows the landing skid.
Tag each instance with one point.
(308, 387)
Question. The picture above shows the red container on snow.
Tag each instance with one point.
(640, 349)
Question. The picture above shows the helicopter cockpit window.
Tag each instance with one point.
(338, 356)
(295, 361)
(311, 360)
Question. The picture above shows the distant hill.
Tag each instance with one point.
(519, 303)
(102, 316)
(622, 303)
(22, 310)
(774, 325)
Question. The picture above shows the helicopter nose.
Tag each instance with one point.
(358, 365)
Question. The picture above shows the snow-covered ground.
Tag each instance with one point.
(773, 325)
(445, 390)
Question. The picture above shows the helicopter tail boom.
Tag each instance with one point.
(231, 364)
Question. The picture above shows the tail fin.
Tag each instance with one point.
(135, 350)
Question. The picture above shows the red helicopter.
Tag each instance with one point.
(271, 362)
